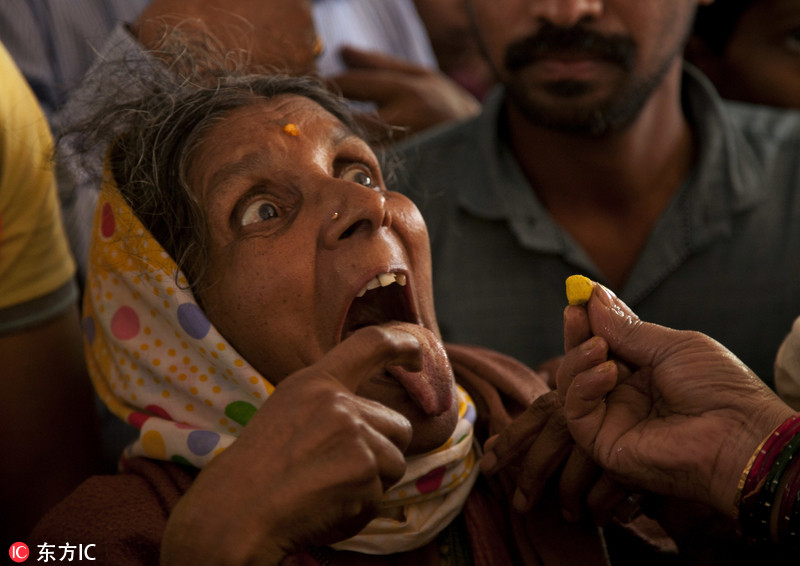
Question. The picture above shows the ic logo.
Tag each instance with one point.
(19, 552)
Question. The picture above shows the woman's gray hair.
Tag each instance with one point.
(153, 120)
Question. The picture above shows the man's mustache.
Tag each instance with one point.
(552, 41)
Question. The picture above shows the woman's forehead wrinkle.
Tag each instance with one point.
(218, 183)
(276, 114)
(296, 110)
(341, 134)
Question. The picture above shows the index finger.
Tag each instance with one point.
(368, 351)
(577, 329)
(519, 436)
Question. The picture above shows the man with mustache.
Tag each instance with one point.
(602, 153)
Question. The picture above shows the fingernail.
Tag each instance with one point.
(488, 462)
(490, 442)
(588, 346)
(629, 509)
(519, 501)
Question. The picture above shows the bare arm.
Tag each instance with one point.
(51, 440)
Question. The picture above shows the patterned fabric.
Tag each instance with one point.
(159, 364)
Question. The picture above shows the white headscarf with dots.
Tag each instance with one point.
(160, 365)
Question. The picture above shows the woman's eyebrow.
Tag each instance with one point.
(341, 134)
(246, 165)
(257, 161)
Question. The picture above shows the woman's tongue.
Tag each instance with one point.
(432, 387)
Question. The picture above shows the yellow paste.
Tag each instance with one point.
(579, 289)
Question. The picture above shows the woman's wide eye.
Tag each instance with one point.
(359, 174)
(258, 211)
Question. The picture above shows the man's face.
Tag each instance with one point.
(761, 63)
(586, 66)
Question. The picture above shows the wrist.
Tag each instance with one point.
(769, 496)
(735, 458)
(194, 536)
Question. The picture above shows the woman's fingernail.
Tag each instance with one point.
(569, 516)
(629, 509)
(588, 346)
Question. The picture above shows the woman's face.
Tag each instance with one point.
(301, 225)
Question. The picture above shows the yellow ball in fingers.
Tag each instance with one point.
(579, 289)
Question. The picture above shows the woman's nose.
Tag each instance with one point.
(356, 210)
(566, 13)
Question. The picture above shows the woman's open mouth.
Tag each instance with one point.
(386, 300)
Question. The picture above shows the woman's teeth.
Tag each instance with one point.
(383, 280)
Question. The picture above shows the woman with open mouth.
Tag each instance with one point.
(260, 308)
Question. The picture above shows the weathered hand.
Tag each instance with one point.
(310, 467)
(673, 412)
(537, 447)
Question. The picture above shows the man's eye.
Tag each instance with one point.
(359, 174)
(258, 211)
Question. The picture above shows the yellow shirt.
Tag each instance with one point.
(35, 263)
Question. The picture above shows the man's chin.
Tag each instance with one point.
(585, 120)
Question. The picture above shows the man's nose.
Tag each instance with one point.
(566, 13)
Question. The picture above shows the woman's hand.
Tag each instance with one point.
(673, 412)
(310, 467)
(537, 446)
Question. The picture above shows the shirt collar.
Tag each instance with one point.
(725, 179)
(503, 192)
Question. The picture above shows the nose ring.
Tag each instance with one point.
(335, 215)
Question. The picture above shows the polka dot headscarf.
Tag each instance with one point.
(160, 365)
(154, 357)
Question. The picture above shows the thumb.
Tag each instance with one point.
(632, 340)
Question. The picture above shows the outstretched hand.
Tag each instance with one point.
(536, 449)
(310, 467)
(672, 412)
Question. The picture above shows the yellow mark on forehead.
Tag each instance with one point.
(319, 46)
(291, 129)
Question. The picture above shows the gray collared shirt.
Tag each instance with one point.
(724, 257)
